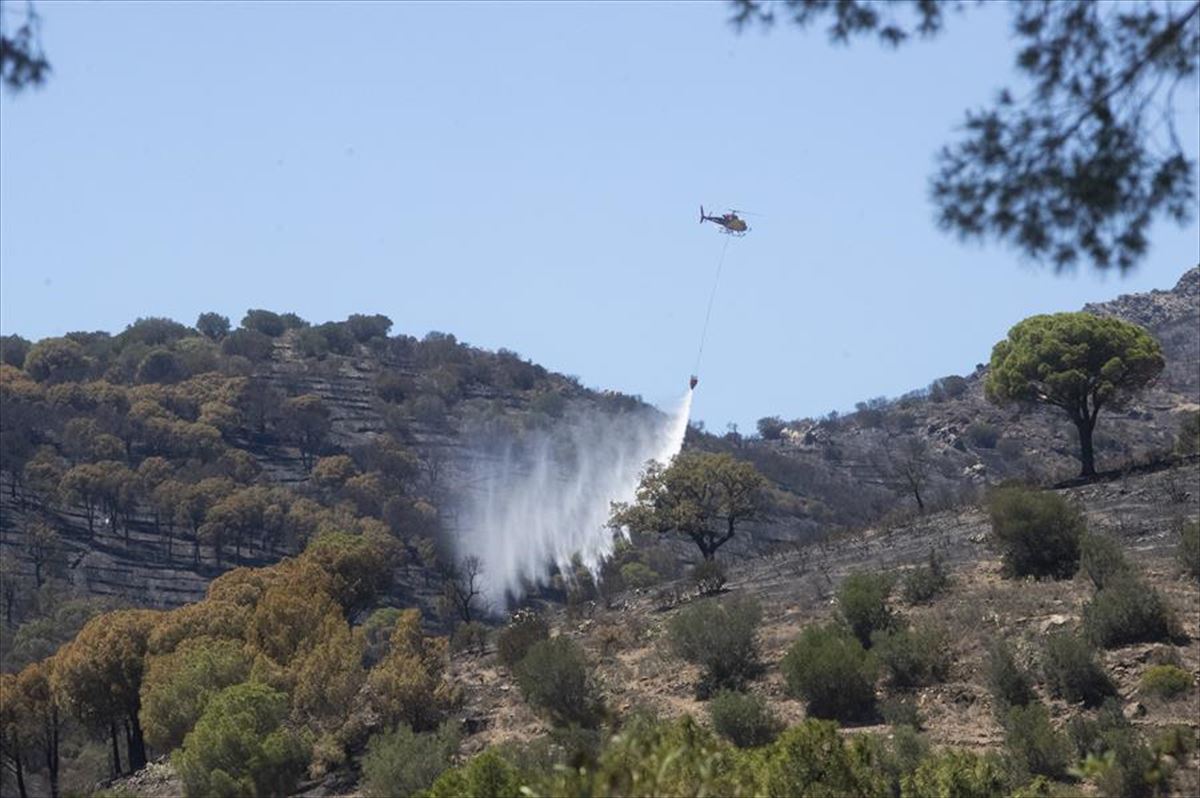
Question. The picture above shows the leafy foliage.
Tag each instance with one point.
(1189, 547)
(1009, 684)
(554, 677)
(1082, 165)
(829, 668)
(719, 636)
(1034, 743)
(957, 772)
(701, 495)
(179, 685)
(1103, 559)
(239, 746)
(914, 657)
(524, 629)
(1166, 681)
(1038, 533)
(862, 603)
(1127, 611)
(1078, 362)
(925, 582)
(1072, 672)
(745, 720)
(403, 762)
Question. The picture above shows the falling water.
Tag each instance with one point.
(542, 501)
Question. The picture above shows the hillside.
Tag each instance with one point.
(283, 498)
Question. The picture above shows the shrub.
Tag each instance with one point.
(1010, 448)
(770, 428)
(470, 637)
(744, 720)
(719, 637)
(404, 763)
(553, 677)
(652, 757)
(524, 629)
(1103, 559)
(829, 668)
(1166, 681)
(983, 435)
(1189, 547)
(1126, 611)
(813, 759)
(1117, 759)
(924, 582)
(862, 602)
(1072, 672)
(638, 576)
(238, 746)
(1189, 434)
(708, 577)
(956, 772)
(1037, 533)
(914, 657)
(1034, 744)
(1008, 683)
(486, 776)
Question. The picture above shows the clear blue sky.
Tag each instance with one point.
(526, 176)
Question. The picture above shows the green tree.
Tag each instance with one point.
(1078, 362)
(178, 686)
(56, 360)
(213, 325)
(239, 747)
(264, 321)
(701, 495)
(1081, 165)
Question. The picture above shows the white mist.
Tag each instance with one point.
(547, 499)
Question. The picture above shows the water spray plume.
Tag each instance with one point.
(547, 500)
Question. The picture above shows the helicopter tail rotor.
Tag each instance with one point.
(701, 214)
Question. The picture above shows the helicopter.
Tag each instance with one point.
(733, 224)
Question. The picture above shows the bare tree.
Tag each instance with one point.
(904, 463)
(462, 591)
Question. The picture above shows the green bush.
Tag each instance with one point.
(1116, 757)
(485, 776)
(914, 657)
(639, 576)
(1033, 742)
(1072, 672)
(471, 636)
(1127, 611)
(1008, 683)
(1037, 533)
(719, 637)
(744, 720)
(829, 668)
(812, 759)
(238, 746)
(402, 763)
(954, 772)
(983, 435)
(652, 757)
(1166, 681)
(923, 583)
(1103, 559)
(708, 577)
(524, 629)
(553, 677)
(1188, 441)
(1189, 547)
(862, 602)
